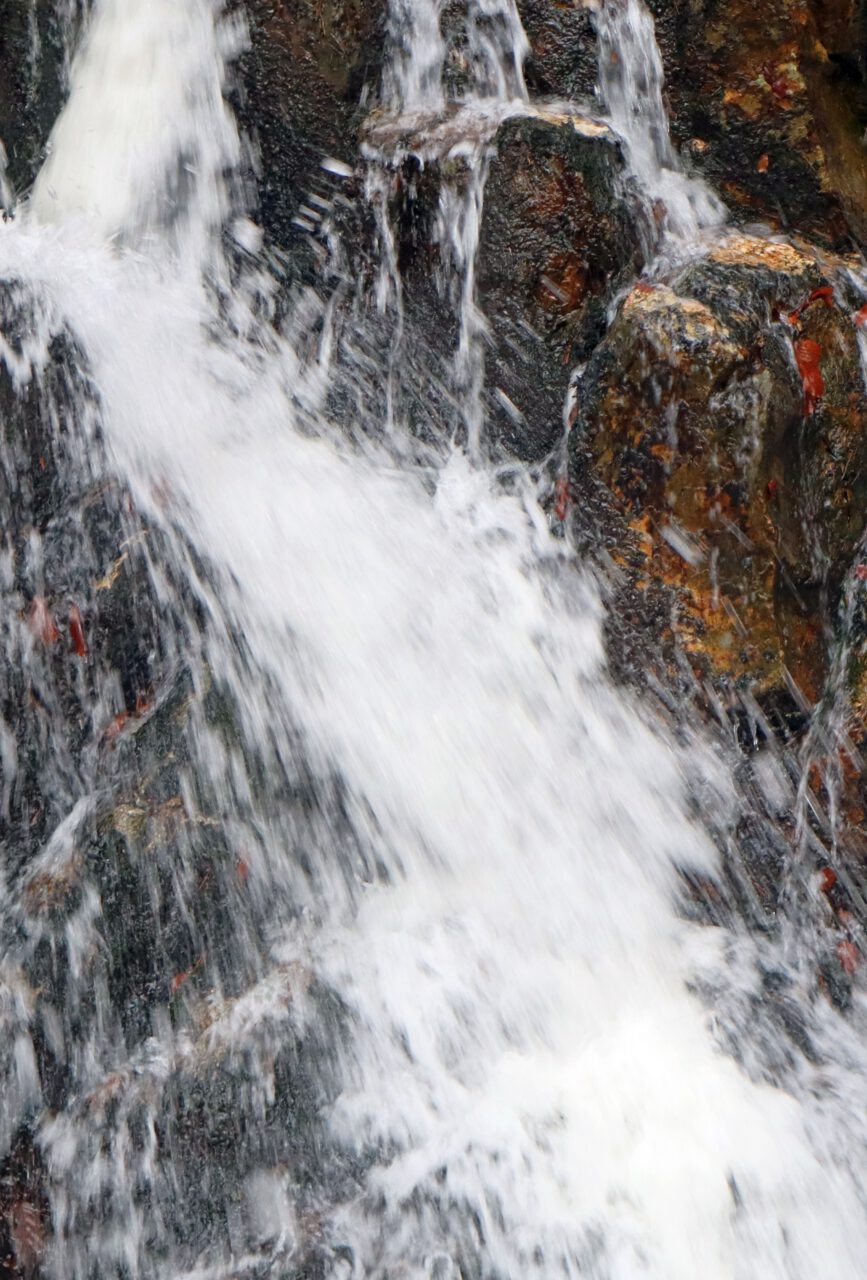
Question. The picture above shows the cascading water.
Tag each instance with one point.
(631, 84)
(428, 120)
(406, 990)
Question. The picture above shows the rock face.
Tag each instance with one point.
(769, 102)
(305, 84)
(562, 63)
(729, 490)
(717, 464)
(557, 240)
(32, 82)
(127, 904)
(724, 412)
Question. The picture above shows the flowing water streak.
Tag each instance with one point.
(631, 81)
(412, 80)
(529, 1082)
(497, 47)
(459, 222)
(162, 136)
(420, 85)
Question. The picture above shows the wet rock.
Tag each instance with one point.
(25, 1212)
(742, 501)
(562, 62)
(304, 86)
(76, 650)
(32, 84)
(557, 239)
(768, 103)
(140, 1009)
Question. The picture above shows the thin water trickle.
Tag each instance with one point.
(456, 1027)
(452, 117)
(631, 80)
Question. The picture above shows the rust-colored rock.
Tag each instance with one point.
(768, 102)
(742, 500)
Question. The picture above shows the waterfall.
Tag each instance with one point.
(418, 100)
(446, 1018)
(631, 83)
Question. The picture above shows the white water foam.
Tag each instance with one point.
(145, 135)
(530, 1080)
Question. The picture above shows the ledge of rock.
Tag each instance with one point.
(767, 102)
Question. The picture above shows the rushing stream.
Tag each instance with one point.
(410, 992)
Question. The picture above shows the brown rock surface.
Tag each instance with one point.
(557, 240)
(769, 102)
(738, 495)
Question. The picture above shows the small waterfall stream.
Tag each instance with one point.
(631, 84)
(349, 943)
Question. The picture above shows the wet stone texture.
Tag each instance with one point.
(735, 489)
(768, 103)
(717, 471)
(562, 62)
(134, 911)
(32, 84)
(557, 240)
(303, 87)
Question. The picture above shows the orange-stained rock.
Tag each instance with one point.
(737, 496)
(768, 102)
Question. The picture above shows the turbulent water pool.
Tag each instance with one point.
(344, 921)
